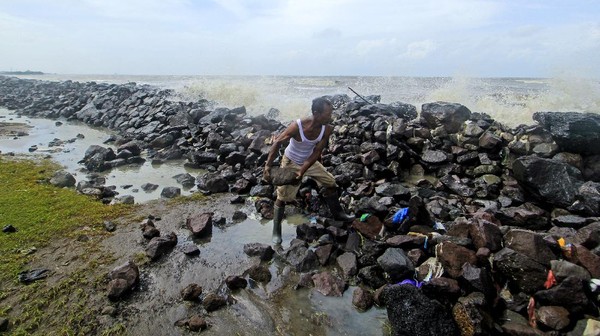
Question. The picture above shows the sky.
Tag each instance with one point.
(511, 38)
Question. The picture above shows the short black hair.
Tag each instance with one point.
(318, 104)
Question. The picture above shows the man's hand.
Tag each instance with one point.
(298, 178)
(267, 174)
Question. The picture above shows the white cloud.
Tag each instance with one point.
(296, 36)
(419, 49)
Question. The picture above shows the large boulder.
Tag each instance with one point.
(449, 115)
(573, 131)
(553, 181)
(412, 313)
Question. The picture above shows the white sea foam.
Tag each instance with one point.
(509, 100)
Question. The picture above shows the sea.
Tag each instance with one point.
(511, 101)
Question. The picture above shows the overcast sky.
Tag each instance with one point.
(523, 38)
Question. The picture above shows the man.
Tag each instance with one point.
(308, 137)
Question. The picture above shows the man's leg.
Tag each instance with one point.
(329, 191)
(285, 193)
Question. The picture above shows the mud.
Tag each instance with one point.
(272, 308)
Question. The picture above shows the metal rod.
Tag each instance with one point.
(361, 97)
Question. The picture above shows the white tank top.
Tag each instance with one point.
(299, 151)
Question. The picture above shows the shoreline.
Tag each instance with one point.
(510, 193)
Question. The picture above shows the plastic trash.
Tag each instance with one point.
(33, 275)
(400, 216)
(415, 283)
(364, 217)
(550, 280)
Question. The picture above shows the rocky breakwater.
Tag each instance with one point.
(464, 225)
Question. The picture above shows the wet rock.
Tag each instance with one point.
(443, 289)
(450, 116)
(570, 294)
(457, 186)
(527, 216)
(262, 190)
(147, 187)
(109, 226)
(478, 279)
(241, 186)
(197, 159)
(588, 236)
(396, 263)
(563, 269)
(235, 282)
(574, 132)
(395, 190)
(362, 299)
(588, 197)
(569, 221)
(328, 284)
(453, 256)
(149, 231)
(412, 313)
(259, 273)
(212, 182)
(310, 231)
(213, 301)
(134, 147)
(323, 253)
(520, 329)
(588, 260)
(62, 179)
(554, 182)
(370, 228)
(191, 292)
(283, 176)
(553, 317)
(263, 251)
(197, 323)
(239, 216)
(161, 245)
(170, 192)
(305, 281)
(186, 180)
(200, 224)
(301, 258)
(190, 250)
(104, 154)
(530, 244)
(348, 263)
(586, 327)
(471, 315)
(9, 229)
(122, 279)
(522, 271)
(489, 140)
(124, 199)
(162, 141)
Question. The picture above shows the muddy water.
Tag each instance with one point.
(127, 179)
(275, 308)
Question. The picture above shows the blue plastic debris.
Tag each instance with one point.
(415, 283)
(400, 215)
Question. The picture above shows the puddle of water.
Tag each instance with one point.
(125, 178)
(271, 308)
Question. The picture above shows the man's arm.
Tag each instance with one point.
(316, 154)
(286, 135)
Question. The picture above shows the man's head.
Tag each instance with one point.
(322, 109)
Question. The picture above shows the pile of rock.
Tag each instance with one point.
(491, 210)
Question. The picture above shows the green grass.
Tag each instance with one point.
(39, 211)
(43, 213)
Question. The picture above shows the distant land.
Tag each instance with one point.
(26, 72)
